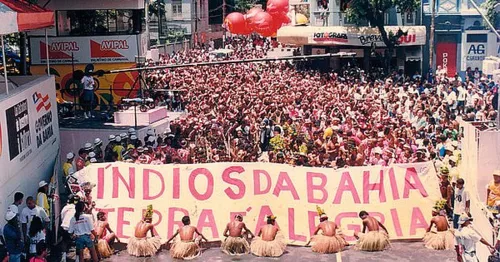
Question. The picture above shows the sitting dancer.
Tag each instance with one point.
(443, 239)
(375, 239)
(105, 236)
(328, 242)
(235, 242)
(270, 242)
(140, 245)
(188, 247)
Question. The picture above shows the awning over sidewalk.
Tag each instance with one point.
(347, 35)
(20, 15)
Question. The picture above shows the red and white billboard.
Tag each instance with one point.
(446, 57)
(84, 50)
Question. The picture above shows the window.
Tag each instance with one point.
(176, 9)
(96, 22)
(477, 38)
(410, 18)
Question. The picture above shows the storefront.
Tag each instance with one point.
(366, 42)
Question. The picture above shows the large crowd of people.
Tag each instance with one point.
(271, 111)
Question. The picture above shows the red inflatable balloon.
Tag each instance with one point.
(250, 17)
(235, 23)
(277, 7)
(264, 24)
(281, 20)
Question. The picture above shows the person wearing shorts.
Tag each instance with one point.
(81, 227)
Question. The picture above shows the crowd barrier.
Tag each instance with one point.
(400, 196)
(480, 157)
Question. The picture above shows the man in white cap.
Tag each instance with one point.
(88, 147)
(90, 156)
(108, 151)
(118, 148)
(68, 167)
(41, 197)
(13, 237)
(131, 131)
(467, 238)
(149, 133)
(98, 150)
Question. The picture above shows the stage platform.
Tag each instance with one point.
(128, 117)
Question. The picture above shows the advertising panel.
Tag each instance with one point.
(475, 53)
(84, 50)
(446, 57)
(352, 36)
(400, 196)
(29, 139)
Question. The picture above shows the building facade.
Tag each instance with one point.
(326, 19)
(461, 38)
(191, 17)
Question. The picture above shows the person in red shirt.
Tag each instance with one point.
(80, 161)
(41, 253)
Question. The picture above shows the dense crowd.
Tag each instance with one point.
(270, 111)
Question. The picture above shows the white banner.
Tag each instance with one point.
(400, 196)
(346, 35)
(84, 50)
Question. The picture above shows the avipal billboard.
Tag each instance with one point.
(84, 50)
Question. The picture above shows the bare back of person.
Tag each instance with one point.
(441, 223)
(142, 228)
(235, 228)
(268, 232)
(371, 224)
(328, 228)
(186, 233)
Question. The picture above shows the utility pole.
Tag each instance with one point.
(431, 37)
(223, 26)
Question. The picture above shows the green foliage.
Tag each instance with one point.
(245, 5)
(491, 13)
(155, 6)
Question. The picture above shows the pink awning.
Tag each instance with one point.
(20, 15)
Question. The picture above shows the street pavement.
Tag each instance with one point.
(400, 252)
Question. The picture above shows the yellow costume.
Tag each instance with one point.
(235, 246)
(494, 195)
(145, 246)
(373, 241)
(274, 248)
(444, 240)
(185, 249)
(327, 244)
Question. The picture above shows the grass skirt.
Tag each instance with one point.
(143, 247)
(104, 249)
(373, 241)
(444, 240)
(273, 248)
(235, 246)
(185, 250)
(327, 245)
